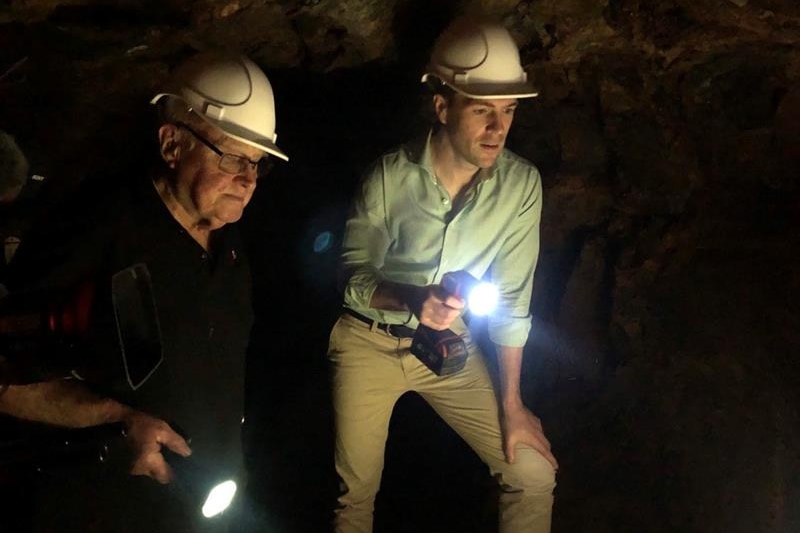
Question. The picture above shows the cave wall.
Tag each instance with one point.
(668, 135)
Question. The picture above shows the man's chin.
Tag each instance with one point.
(486, 161)
(485, 158)
(220, 219)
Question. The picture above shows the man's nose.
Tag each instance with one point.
(495, 123)
(247, 177)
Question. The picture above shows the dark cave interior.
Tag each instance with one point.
(665, 308)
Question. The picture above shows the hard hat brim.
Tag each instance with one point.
(485, 91)
(235, 132)
(248, 137)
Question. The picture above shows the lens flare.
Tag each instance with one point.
(323, 242)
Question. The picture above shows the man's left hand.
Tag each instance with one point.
(520, 426)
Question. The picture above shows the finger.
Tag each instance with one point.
(443, 317)
(543, 449)
(432, 317)
(148, 447)
(433, 323)
(543, 440)
(138, 469)
(161, 473)
(552, 458)
(453, 314)
(176, 443)
(153, 466)
(454, 302)
(509, 448)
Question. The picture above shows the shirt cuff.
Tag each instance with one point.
(509, 331)
(360, 288)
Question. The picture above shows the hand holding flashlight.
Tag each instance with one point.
(438, 307)
(480, 296)
(434, 344)
(210, 492)
(148, 437)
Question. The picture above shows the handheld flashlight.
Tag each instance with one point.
(481, 296)
(444, 352)
(209, 494)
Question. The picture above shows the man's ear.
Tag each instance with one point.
(440, 107)
(169, 144)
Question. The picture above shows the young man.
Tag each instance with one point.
(217, 125)
(455, 201)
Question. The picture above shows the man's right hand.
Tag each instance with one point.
(436, 308)
(146, 436)
(431, 304)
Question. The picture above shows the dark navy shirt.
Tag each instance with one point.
(203, 301)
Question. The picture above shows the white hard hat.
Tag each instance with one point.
(231, 93)
(479, 60)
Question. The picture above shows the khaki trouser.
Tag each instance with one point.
(371, 370)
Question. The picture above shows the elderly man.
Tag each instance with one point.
(217, 128)
(456, 200)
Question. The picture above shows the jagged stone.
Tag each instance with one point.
(668, 137)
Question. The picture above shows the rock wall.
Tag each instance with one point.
(668, 135)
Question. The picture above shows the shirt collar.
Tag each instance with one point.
(419, 152)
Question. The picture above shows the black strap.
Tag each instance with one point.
(395, 330)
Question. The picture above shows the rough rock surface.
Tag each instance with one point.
(666, 303)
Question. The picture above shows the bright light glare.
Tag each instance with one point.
(219, 498)
(482, 299)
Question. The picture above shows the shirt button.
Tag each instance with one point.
(445, 201)
(204, 256)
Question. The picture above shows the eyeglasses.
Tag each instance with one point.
(232, 163)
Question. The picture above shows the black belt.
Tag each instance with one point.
(395, 330)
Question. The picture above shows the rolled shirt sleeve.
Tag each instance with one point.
(513, 268)
(366, 240)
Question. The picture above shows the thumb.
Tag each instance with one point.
(454, 302)
(509, 449)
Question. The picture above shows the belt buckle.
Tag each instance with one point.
(399, 331)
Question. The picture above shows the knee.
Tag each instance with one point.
(531, 473)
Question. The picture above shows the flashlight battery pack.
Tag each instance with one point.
(444, 352)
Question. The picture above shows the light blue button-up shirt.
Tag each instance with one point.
(400, 229)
